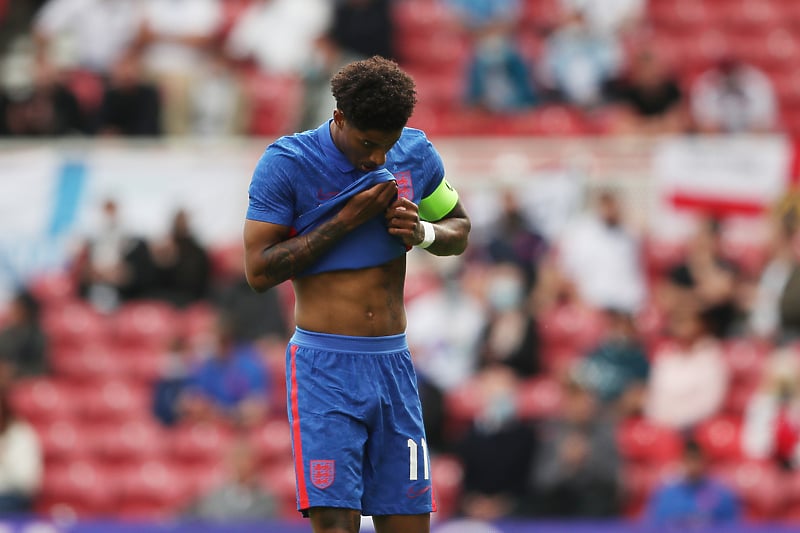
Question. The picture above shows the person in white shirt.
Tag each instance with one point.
(86, 34)
(279, 35)
(177, 39)
(689, 376)
(602, 258)
(21, 462)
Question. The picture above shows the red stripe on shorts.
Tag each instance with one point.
(302, 491)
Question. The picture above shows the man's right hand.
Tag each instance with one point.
(367, 204)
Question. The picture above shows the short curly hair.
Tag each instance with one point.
(374, 94)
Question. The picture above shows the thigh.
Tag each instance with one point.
(331, 520)
(420, 523)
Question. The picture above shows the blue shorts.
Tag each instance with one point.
(357, 434)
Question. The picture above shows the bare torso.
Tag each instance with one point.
(366, 302)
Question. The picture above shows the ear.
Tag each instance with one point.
(338, 118)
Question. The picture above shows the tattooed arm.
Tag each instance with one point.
(272, 257)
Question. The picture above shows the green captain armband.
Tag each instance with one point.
(440, 202)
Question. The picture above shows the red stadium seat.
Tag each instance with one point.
(639, 480)
(571, 326)
(738, 396)
(446, 475)
(541, 15)
(720, 438)
(679, 14)
(78, 489)
(199, 443)
(198, 321)
(76, 324)
(275, 103)
(133, 441)
(43, 400)
(280, 480)
(759, 485)
(53, 288)
(63, 442)
(747, 15)
(539, 398)
(149, 324)
(642, 441)
(150, 491)
(423, 16)
(463, 402)
(272, 441)
(114, 401)
(746, 358)
(90, 363)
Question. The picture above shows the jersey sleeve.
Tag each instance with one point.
(439, 197)
(271, 195)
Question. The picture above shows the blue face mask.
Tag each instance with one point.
(499, 410)
(505, 293)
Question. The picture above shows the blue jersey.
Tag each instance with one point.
(302, 179)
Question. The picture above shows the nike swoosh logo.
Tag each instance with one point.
(416, 493)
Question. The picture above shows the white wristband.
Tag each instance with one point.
(430, 234)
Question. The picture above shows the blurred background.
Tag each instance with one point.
(618, 347)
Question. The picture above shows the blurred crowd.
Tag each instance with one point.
(583, 375)
(580, 376)
(261, 67)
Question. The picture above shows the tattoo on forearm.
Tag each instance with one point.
(288, 258)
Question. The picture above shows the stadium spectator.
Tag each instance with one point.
(497, 451)
(510, 336)
(706, 280)
(217, 101)
(733, 97)
(172, 381)
(771, 422)
(182, 264)
(646, 98)
(444, 332)
(23, 341)
(689, 375)
(326, 59)
(577, 62)
(229, 383)
(131, 106)
(602, 257)
(15, 21)
(512, 238)
(499, 79)
(113, 265)
(577, 468)
(261, 318)
(100, 32)
(695, 500)
(241, 496)
(444, 329)
(176, 38)
(609, 17)
(617, 368)
(36, 103)
(774, 314)
(364, 28)
(277, 36)
(21, 462)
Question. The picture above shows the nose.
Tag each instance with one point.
(377, 157)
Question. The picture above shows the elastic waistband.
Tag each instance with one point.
(346, 343)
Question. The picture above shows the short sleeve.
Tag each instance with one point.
(271, 195)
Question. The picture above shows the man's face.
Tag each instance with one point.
(365, 149)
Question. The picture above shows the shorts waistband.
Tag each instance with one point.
(347, 343)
